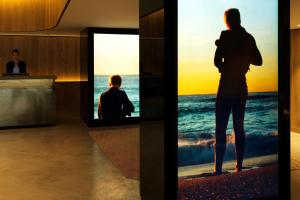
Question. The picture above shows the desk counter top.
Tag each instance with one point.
(29, 83)
(20, 77)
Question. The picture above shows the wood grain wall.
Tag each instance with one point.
(295, 81)
(49, 55)
(30, 15)
(45, 55)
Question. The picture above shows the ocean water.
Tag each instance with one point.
(130, 84)
(196, 127)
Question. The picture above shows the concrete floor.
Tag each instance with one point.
(295, 165)
(59, 162)
(63, 162)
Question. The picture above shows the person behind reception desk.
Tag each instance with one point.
(15, 66)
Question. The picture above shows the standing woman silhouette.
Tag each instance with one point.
(236, 50)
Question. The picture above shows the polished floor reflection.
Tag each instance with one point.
(59, 162)
(121, 145)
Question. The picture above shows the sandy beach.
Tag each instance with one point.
(258, 183)
(228, 166)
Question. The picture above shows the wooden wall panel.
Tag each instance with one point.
(295, 81)
(44, 55)
(68, 96)
(49, 56)
(152, 26)
(30, 15)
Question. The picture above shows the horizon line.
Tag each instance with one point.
(216, 93)
(117, 74)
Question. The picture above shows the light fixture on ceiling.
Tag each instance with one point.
(298, 25)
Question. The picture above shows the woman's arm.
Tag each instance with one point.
(218, 60)
(256, 58)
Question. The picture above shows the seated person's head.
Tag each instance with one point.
(232, 18)
(115, 81)
(15, 54)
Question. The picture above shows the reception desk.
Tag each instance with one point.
(27, 101)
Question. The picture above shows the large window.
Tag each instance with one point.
(116, 54)
(200, 23)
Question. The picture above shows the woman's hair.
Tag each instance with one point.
(233, 18)
(115, 80)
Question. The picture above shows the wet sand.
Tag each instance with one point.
(258, 183)
(228, 166)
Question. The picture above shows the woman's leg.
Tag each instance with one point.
(238, 113)
(223, 109)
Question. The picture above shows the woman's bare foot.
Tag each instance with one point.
(217, 173)
(238, 169)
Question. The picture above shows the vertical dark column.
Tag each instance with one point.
(84, 75)
(171, 98)
(284, 98)
(87, 75)
(152, 95)
(158, 75)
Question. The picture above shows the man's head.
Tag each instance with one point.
(115, 81)
(15, 54)
(232, 18)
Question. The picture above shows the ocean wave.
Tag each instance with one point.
(199, 105)
(263, 96)
(195, 110)
(207, 139)
(190, 110)
(194, 152)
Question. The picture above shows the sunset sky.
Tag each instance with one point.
(200, 23)
(116, 54)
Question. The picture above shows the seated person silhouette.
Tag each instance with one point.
(114, 104)
(236, 50)
(15, 66)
